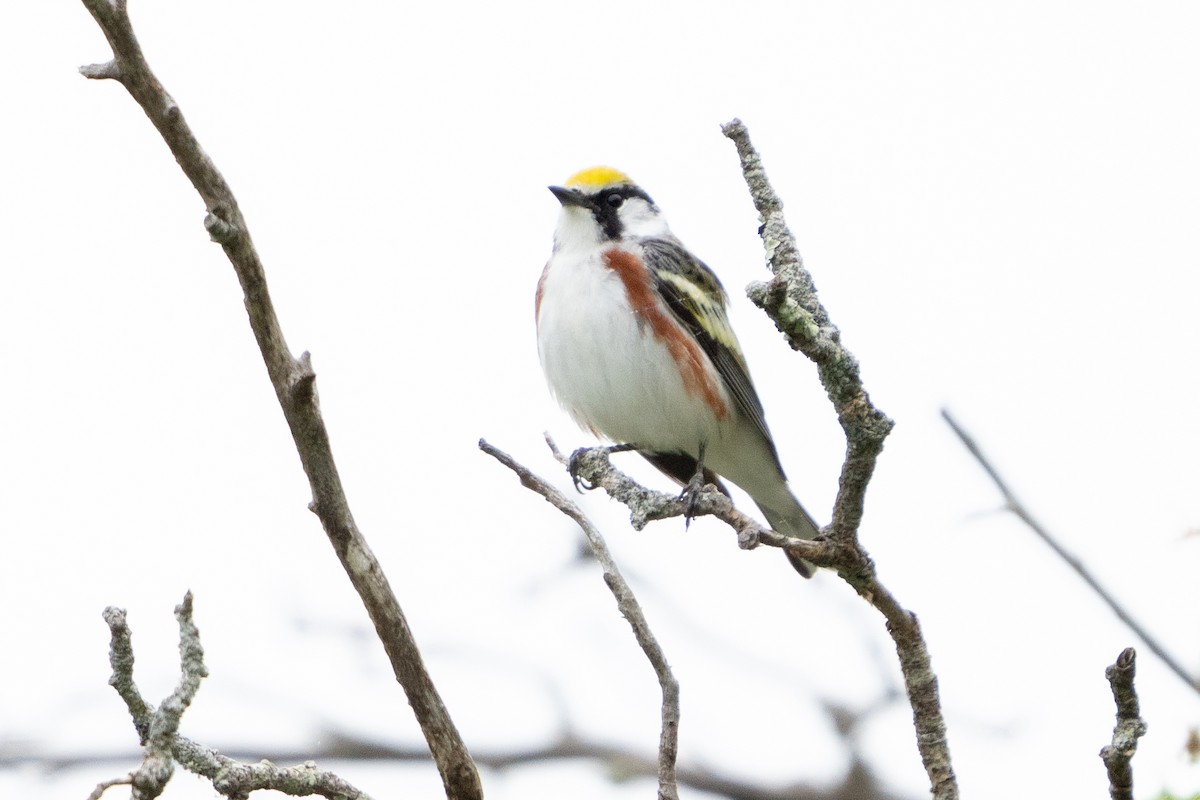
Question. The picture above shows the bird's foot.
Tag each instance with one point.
(575, 464)
(692, 491)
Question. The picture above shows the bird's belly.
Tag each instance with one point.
(611, 372)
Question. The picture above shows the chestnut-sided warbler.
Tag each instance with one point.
(636, 346)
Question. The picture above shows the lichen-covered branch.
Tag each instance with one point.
(594, 468)
(1118, 756)
(668, 746)
(790, 300)
(157, 729)
(295, 386)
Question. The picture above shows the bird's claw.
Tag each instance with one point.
(574, 464)
(691, 494)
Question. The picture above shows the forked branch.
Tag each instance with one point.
(158, 730)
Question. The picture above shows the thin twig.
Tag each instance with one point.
(101, 788)
(158, 729)
(1118, 756)
(790, 300)
(295, 387)
(1011, 503)
(668, 745)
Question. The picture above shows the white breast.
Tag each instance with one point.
(605, 366)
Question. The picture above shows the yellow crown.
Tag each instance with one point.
(597, 177)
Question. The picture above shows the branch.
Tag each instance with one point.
(158, 729)
(668, 744)
(1011, 503)
(615, 760)
(594, 468)
(1118, 756)
(790, 300)
(101, 788)
(295, 387)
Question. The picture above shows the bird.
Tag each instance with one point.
(635, 343)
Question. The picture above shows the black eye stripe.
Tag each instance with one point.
(607, 206)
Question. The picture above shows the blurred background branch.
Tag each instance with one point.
(1011, 503)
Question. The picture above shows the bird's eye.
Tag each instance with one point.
(614, 200)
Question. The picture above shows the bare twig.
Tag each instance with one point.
(158, 729)
(668, 745)
(101, 788)
(1118, 756)
(1011, 503)
(295, 387)
(790, 300)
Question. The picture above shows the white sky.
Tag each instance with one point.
(998, 203)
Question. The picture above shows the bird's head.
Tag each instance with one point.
(601, 204)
